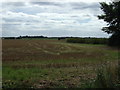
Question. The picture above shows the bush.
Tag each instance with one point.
(114, 40)
(88, 40)
(107, 77)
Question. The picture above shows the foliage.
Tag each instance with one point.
(114, 40)
(108, 77)
(112, 17)
(88, 40)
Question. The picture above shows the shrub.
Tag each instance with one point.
(114, 40)
(88, 40)
(107, 77)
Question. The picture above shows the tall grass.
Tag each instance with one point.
(108, 77)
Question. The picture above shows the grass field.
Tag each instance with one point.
(49, 63)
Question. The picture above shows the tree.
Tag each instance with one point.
(112, 17)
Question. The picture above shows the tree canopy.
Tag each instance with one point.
(111, 16)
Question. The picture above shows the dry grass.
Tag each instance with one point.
(43, 50)
(53, 63)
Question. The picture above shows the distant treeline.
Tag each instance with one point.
(88, 40)
(22, 37)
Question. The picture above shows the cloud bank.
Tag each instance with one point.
(52, 18)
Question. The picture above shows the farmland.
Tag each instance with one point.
(49, 63)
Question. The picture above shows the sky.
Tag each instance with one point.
(52, 18)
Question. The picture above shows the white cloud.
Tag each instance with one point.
(52, 20)
(55, 0)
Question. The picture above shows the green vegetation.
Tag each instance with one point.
(108, 76)
(54, 64)
(112, 17)
(88, 40)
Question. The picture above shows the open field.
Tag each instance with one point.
(49, 63)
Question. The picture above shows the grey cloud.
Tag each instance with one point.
(13, 4)
(54, 33)
(8, 30)
(50, 21)
(81, 5)
(11, 20)
(20, 20)
(116, 0)
(46, 3)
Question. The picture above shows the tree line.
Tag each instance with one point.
(22, 37)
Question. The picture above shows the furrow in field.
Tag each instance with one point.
(37, 46)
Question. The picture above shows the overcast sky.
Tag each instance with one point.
(52, 18)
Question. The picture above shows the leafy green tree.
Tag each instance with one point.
(112, 17)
